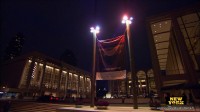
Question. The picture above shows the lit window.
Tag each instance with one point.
(64, 72)
(57, 69)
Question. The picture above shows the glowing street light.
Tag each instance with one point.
(128, 21)
(93, 81)
(95, 30)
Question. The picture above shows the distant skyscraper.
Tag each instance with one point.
(14, 47)
(69, 57)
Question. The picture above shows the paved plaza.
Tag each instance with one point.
(21, 106)
(127, 109)
(110, 109)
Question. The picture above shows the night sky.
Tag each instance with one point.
(51, 26)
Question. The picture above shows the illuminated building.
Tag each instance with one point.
(36, 74)
(174, 39)
(146, 83)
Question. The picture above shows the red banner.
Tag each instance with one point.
(111, 59)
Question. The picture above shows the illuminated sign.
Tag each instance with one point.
(176, 101)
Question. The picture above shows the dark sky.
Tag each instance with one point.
(51, 26)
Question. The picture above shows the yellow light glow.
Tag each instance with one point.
(143, 85)
(57, 69)
(64, 72)
(49, 67)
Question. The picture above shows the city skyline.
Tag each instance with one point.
(52, 27)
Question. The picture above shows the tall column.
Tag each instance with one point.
(43, 75)
(30, 72)
(126, 86)
(155, 62)
(67, 83)
(78, 89)
(84, 89)
(59, 79)
(52, 79)
(147, 84)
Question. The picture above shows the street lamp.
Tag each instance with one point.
(93, 84)
(128, 21)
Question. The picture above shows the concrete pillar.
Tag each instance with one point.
(59, 79)
(30, 71)
(43, 75)
(154, 58)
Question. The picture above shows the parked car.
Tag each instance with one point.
(48, 98)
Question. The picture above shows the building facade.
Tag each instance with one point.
(122, 88)
(36, 74)
(174, 39)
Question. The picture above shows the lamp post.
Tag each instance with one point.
(93, 81)
(128, 21)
